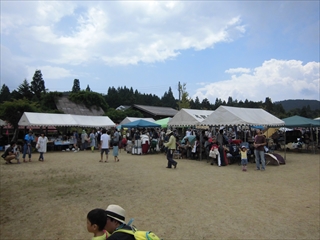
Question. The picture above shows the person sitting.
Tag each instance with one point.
(9, 153)
(216, 154)
(116, 221)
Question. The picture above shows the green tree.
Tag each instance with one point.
(12, 112)
(205, 104)
(268, 105)
(168, 99)
(76, 86)
(5, 94)
(23, 91)
(185, 100)
(115, 115)
(88, 88)
(196, 104)
(37, 84)
(48, 102)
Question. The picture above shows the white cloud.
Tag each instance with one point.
(49, 72)
(238, 70)
(277, 79)
(147, 32)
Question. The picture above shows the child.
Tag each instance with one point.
(215, 152)
(244, 158)
(96, 221)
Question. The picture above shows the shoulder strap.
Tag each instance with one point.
(125, 231)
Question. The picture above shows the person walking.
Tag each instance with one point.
(104, 147)
(171, 145)
(27, 147)
(84, 140)
(92, 138)
(42, 145)
(259, 143)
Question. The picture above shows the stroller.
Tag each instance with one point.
(234, 154)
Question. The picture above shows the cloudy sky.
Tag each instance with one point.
(243, 49)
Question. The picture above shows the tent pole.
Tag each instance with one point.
(285, 145)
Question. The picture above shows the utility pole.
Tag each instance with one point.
(179, 89)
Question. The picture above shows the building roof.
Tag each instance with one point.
(123, 107)
(66, 106)
(156, 111)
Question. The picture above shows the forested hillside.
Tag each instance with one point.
(34, 97)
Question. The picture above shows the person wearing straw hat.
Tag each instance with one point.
(115, 221)
(171, 145)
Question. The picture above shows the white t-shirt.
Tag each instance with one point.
(105, 138)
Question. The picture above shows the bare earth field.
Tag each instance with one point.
(50, 200)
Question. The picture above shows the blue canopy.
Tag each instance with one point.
(140, 124)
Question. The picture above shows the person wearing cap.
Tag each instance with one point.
(244, 157)
(171, 145)
(28, 139)
(115, 221)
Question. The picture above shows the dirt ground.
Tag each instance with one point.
(50, 200)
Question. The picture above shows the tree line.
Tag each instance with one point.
(34, 97)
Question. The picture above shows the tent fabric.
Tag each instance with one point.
(66, 120)
(140, 124)
(234, 116)
(298, 121)
(2, 123)
(189, 117)
(132, 119)
(163, 122)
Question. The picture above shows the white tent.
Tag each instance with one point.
(189, 117)
(68, 120)
(2, 123)
(241, 116)
(132, 119)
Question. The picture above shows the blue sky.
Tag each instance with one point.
(243, 49)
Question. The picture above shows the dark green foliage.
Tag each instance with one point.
(168, 99)
(88, 88)
(5, 94)
(299, 103)
(37, 84)
(11, 111)
(23, 91)
(117, 115)
(48, 102)
(76, 86)
(205, 104)
(89, 99)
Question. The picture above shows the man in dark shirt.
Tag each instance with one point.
(116, 221)
(259, 143)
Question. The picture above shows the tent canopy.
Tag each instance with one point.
(163, 122)
(189, 117)
(235, 116)
(67, 120)
(297, 121)
(2, 123)
(140, 124)
(132, 119)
